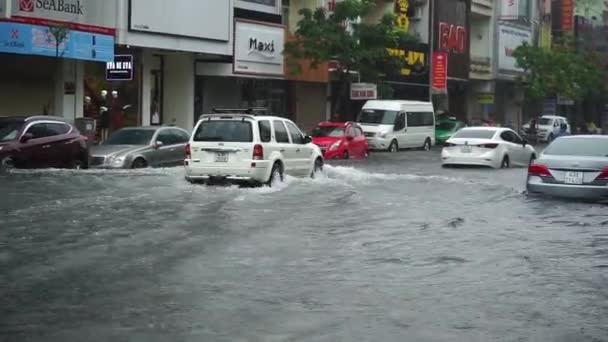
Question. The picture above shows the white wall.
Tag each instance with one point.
(25, 97)
(481, 38)
(178, 96)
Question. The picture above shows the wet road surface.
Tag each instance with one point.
(390, 249)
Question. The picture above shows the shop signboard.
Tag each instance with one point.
(120, 69)
(202, 19)
(451, 22)
(509, 39)
(401, 13)
(363, 91)
(38, 40)
(83, 15)
(440, 71)
(415, 68)
(485, 99)
(258, 48)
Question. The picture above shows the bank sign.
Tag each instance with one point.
(75, 7)
(258, 48)
(93, 13)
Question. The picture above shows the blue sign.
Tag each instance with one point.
(38, 40)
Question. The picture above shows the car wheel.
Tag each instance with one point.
(139, 163)
(345, 155)
(393, 147)
(318, 168)
(77, 164)
(7, 164)
(427, 145)
(276, 175)
(505, 163)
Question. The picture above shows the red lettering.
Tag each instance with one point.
(452, 38)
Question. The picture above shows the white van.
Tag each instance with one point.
(395, 124)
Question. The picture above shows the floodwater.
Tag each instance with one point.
(394, 248)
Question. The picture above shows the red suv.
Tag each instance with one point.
(340, 140)
(41, 142)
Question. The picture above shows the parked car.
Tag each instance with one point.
(41, 142)
(340, 140)
(446, 128)
(487, 146)
(394, 124)
(140, 147)
(548, 127)
(250, 150)
(573, 167)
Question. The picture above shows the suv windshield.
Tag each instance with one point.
(328, 131)
(545, 121)
(130, 137)
(446, 125)
(224, 130)
(584, 147)
(377, 117)
(9, 130)
(475, 133)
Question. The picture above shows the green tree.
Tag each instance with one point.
(356, 47)
(60, 34)
(560, 71)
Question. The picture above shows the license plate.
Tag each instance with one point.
(465, 149)
(221, 157)
(573, 178)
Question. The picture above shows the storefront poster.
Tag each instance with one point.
(440, 70)
(120, 69)
(509, 39)
(38, 40)
(258, 48)
(451, 23)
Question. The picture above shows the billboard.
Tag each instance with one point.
(203, 19)
(451, 23)
(88, 13)
(258, 48)
(509, 39)
(38, 40)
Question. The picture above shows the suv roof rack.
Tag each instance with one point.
(250, 110)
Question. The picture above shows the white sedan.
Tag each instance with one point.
(487, 146)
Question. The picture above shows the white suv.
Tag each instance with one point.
(249, 149)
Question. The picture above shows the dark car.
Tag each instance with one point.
(41, 142)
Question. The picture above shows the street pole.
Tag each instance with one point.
(431, 46)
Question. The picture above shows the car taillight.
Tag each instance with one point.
(188, 152)
(603, 175)
(539, 170)
(258, 152)
(488, 146)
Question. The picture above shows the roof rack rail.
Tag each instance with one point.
(250, 110)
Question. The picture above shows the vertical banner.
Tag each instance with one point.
(440, 71)
(567, 15)
(401, 9)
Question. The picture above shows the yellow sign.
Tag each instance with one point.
(403, 21)
(410, 57)
(485, 98)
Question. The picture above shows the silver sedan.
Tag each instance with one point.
(572, 167)
(139, 147)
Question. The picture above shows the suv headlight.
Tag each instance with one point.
(336, 145)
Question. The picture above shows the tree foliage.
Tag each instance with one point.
(341, 37)
(560, 71)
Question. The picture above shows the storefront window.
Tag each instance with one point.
(112, 103)
(270, 94)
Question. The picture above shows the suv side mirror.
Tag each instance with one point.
(307, 139)
(158, 144)
(26, 137)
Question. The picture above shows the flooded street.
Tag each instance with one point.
(394, 248)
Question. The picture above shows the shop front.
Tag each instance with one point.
(451, 28)
(411, 82)
(255, 78)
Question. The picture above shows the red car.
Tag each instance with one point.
(340, 140)
(41, 142)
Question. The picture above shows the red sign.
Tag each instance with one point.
(567, 15)
(26, 5)
(440, 70)
(452, 38)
